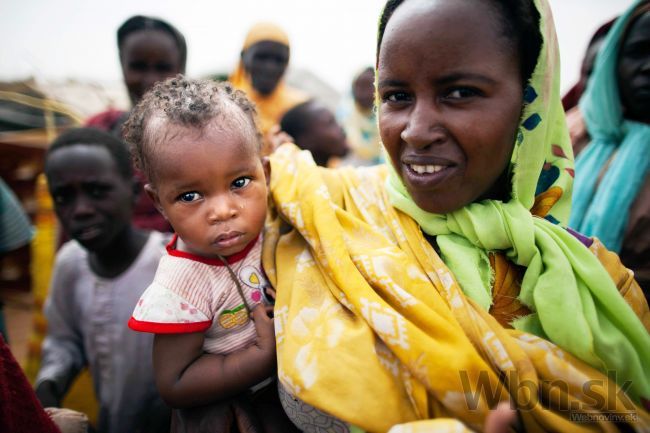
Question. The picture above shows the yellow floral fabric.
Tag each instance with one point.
(372, 327)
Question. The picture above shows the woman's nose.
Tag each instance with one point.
(423, 127)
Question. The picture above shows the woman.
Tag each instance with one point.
(263, 62)
(427, 290)
(151, 50)
(612, 190)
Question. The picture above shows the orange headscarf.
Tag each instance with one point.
(271, 107)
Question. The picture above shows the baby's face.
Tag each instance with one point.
(212, 188)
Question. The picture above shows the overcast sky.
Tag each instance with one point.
(55, 39)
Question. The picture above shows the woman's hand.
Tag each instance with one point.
(276, 137)
(501, 419)
(262, 317)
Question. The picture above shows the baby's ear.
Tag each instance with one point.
(153, 195)
(266, 163)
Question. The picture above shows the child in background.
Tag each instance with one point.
(357, 115)
(313, 127)
(97, 278)
(198, 144)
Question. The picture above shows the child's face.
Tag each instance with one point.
(324, 135)
(450, 100)
(92, 199)
(211, 185)
(363, 89)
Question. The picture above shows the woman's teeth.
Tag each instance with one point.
(420, 169)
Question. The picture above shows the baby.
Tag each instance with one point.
(198, 144)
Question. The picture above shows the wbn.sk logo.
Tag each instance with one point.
(598, 395)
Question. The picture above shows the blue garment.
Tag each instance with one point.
(601, 209)
(15, 229)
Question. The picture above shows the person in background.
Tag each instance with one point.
(98, 276)
(313, 127)
(260, 74)
(611, 198)
(357, 115)
(20, 410)
(150, 50)
(574, 118)
(15, 231)
(572, 97)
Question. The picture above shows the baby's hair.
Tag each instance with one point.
(190, 103)
(94, 137)
(519, 21)
(140, 22)
(296, 121)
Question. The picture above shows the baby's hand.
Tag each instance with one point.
(276, 137)
(263, 321)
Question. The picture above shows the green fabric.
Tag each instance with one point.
(564, 283)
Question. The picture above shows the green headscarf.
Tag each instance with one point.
(575, 303)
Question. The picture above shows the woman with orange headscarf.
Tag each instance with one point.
(263, 62)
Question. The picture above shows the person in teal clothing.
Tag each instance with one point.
(15, 231)
(611, 199)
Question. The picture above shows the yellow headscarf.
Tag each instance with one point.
(270, 108)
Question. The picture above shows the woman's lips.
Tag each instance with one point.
(426, 176)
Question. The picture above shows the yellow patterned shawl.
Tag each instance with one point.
(372, 327)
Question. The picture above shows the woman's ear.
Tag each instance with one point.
(266, 163)
(153, 195)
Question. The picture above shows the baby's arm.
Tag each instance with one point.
(186, 376)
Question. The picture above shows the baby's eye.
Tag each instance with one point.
(461, 92)
(240, 182)
(189, 197)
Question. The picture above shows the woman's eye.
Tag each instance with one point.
(188, 197)
(240, 182)
(461, 93)
(396, 97)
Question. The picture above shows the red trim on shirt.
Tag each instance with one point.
(168, 328)
(172, 251)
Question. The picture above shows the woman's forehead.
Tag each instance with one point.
(438, 32)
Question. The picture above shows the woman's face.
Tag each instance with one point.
(450, 101)
(148, 56)
(266, 62)
(634, 71)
